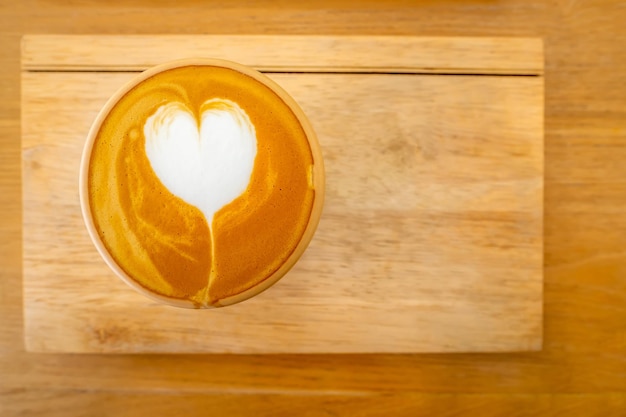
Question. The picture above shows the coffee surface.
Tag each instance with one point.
(200, 183)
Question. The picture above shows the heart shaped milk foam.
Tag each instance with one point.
(207, 163)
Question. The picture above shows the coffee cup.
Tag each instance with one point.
(201, 183)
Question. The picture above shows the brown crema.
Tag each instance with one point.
(164, 243)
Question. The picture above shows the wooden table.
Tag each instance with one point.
(582, 368)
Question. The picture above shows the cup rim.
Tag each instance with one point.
(318, 178)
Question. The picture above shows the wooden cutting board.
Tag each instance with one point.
(431, 238)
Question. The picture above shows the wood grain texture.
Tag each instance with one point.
(581, 369)
(292, 53)
(62, 403)
(431, 238)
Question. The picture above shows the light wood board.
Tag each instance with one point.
(431, 237)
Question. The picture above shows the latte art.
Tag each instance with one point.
(207, 167)
(199, 183)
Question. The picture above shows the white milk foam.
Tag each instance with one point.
(207, 167)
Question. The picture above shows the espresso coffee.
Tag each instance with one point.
(202, 183)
